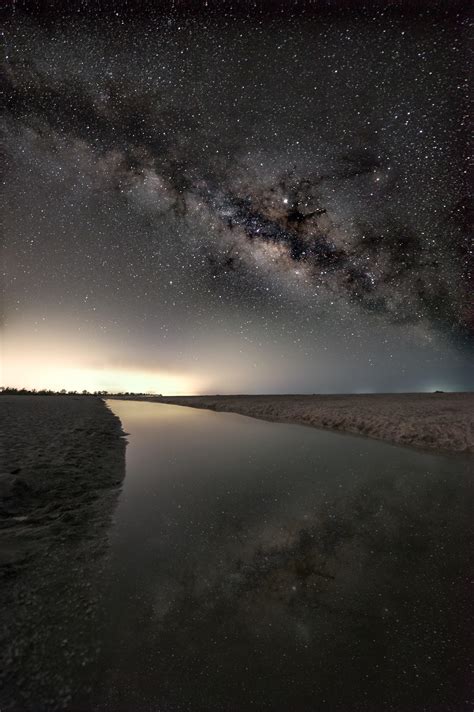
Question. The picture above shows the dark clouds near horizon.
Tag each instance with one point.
(245, 178)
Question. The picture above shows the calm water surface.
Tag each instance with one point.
(268, 566)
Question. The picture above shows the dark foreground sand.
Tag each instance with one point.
(438, 421)
(62, 463)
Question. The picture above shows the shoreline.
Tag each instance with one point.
(437, 422)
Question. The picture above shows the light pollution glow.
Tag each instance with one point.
(51, 365)
(57, 354)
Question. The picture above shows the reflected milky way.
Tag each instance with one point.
(270, 567)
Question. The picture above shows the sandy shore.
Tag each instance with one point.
(437, 421)
(61, 467)
(58, 453)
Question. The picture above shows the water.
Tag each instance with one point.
(268, 566)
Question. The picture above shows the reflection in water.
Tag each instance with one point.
(268, 566)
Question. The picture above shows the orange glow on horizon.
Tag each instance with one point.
(49, 365)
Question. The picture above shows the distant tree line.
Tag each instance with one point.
(7, 390)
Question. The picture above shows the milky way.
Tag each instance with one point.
(286, 181)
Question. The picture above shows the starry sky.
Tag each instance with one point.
(236, 197)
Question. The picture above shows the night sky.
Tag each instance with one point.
(216, 197)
